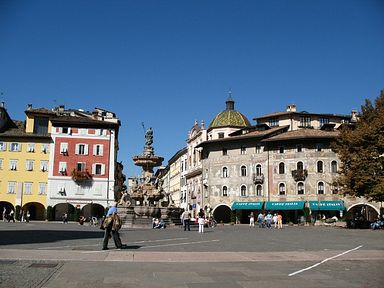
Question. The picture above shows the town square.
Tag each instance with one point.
(191, 143)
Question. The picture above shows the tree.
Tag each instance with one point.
(361, 151)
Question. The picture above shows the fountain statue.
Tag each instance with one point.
(146, 198)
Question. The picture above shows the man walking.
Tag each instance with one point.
(186, 219)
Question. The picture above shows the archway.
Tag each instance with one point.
(8, 207)
(36, 210)
(62, 208)
(361, 215)
(222, 214)
(93, 210)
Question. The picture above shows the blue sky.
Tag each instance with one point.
(167, 63)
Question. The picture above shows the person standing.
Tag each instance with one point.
(4, 214)
(65, 218)
(279, 221)
(186, 219)
(260, 220)
(11, 216)
(251, 220)
(112, 225)
(201, 220)
(274, 219)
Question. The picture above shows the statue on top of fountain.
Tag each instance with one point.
(147, 189)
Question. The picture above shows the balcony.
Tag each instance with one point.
(299, 174)
(258, 178)
(80, 176)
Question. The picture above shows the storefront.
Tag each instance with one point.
(242, 210)
(327, 209)
(292, 211)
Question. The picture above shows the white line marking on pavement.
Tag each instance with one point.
(87, 245)
(178, 244)
(325, 260)
(160, 240)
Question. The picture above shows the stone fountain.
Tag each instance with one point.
(146, 198)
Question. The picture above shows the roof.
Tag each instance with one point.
(229, 117)
(303, 134)
(18, 130)
(257, 134)
(81, 121)
(277, 114)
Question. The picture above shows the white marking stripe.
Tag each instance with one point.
(178, 244)
(325, 260)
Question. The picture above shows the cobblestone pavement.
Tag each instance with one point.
(55, 255)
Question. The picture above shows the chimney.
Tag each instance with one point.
(2, 105)
(61, 109)
(291, 108)
(29, 106)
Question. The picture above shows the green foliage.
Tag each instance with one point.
(361, 151)
(307, 215)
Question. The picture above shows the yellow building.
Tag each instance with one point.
(24, 163)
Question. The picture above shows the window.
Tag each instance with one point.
(1, 163)
(281, 189)
(258, 170)
(15, 147)
(320, 167)
(98, 150)
(31, 147)
(300, 166)
(81, 149)
(225, 172)
(334, 189)
(11, 187)
(225, 191)
(40, 125)
(281, 149)
(300, 188)
(98, 169)
(334, 167)
(305, 121)
(273, 122)
(318, 147)
(63, 168)
(65, 130)
(42, 188)
(320, 188)
(80, 166)
(258, 149)
(13, 165)
(243, 150)
(299, 148)
(281, 168)
(29, 165)
(243, 191)
(28, 188)
(323, 121)
(3, 146)
(225, 151)
(44, 166)
(259, 190)
(243, 171)
(44, 148)
(64, 148)
(220, 135)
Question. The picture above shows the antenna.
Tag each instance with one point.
(142, 124)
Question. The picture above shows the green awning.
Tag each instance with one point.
(287, 205)
(327, 205)
(247, 205)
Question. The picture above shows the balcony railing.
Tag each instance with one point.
(258, 178)
(299, 174)
(79, 176)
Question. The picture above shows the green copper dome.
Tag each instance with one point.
(229, 117)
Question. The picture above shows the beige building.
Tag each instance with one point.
(283, 163)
